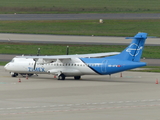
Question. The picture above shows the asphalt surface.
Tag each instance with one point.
(68, 39)
(79, 16)
(132, 96)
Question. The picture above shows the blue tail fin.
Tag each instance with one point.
(134, 51)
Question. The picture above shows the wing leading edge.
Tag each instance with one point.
(64, 57)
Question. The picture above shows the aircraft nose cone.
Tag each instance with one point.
(6, 67)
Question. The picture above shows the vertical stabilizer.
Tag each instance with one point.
(134, 51)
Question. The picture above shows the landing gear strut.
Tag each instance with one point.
(61, 77)
(77, 77)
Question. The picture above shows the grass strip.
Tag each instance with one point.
(53, 49)
(3, 63)
(148, 69)
(79, 6)
(83, 27)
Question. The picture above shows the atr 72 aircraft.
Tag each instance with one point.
(77, 65)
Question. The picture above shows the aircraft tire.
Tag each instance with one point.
(14, 75)
(61, 77)
(77, 77)
(30, 75)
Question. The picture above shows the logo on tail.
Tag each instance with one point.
(134, 49)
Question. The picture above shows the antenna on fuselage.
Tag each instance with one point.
(67, 50)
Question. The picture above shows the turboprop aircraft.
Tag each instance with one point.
(77, 65)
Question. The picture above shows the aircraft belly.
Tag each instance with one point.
(87, 71)
(72, 71)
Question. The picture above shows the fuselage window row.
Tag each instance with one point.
(67, 64)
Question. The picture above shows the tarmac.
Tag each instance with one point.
(126, 96)
(91, 16)
(70, 39)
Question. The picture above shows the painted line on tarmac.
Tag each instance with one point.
(82, 104)
(2, 83)
(78, 110)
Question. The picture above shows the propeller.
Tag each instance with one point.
(67, 50)
(35, 64)
(38, 51)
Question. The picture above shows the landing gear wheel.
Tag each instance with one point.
(30, 75)
(14, 74)
(77, 77)
(61, 77)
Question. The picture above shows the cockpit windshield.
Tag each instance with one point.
(12, 60)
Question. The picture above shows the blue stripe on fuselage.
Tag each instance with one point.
(104, 66)
(93, 64)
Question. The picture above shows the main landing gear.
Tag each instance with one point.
(62, 77)
(77, 77)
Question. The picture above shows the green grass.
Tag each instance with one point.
(51, 49)
(148, 69)
(79, 6)
(3, 63)
(83, 27)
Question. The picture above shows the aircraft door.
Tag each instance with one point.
(104, 66)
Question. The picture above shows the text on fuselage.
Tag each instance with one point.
(38, 69)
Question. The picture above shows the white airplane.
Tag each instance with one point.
(77, 65)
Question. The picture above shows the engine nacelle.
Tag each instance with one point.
(67, 72)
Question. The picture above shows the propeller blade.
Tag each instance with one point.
(38, 52)
(67, 50)
(35, 64)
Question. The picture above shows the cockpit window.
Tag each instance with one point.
(12, 60)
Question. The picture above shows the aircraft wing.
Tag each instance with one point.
(63, 57)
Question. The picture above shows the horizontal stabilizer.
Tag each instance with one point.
(138, 36)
